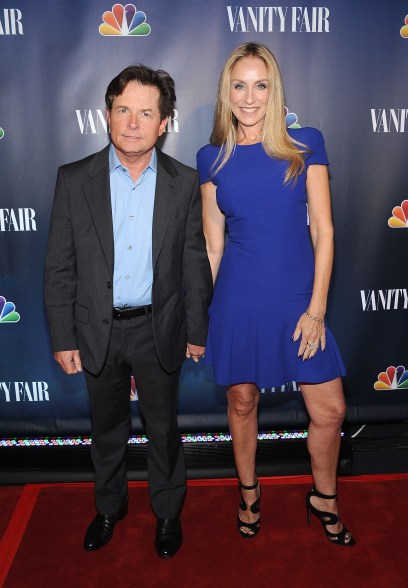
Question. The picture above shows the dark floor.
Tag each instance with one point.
(374, 449)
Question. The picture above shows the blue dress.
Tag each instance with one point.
(265, 279)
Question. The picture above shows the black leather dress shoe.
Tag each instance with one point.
(168, 537)
(100, 531)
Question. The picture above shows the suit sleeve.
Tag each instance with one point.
(197, 280)
(60, 272)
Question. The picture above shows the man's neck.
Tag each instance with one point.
(135, 163)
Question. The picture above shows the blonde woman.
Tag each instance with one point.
(269, 185)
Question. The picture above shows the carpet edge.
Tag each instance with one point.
(14, 533)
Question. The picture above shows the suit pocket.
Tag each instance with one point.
(81, 313)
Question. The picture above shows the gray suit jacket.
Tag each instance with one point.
(80, 259)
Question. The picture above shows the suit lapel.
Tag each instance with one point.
(166, 189)
(97, 193)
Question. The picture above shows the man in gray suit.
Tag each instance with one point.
(127, 287)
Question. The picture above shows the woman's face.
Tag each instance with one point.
(249, 92)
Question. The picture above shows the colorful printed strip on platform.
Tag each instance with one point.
(142, 439)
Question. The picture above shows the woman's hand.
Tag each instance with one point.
(312, 333)
(195, 352)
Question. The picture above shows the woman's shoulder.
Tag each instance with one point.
(307, 135)
(314, 141)
(207, 155)
(208, 151)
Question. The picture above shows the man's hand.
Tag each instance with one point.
(69, 361)
(194, 352)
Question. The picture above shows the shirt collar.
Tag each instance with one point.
(114, 161)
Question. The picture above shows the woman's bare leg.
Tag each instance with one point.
(243, 422)
(326, 407)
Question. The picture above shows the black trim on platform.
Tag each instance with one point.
(29, 465)
(373, 450)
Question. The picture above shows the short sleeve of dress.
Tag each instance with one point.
(315, 142)
(205, 159)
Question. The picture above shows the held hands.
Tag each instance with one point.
(195, 352)
(312, 332)
(69, 361)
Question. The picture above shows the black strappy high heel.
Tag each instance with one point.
(344, 537)
(254, 508)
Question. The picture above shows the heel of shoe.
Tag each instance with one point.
(343, 537)
(254, 508)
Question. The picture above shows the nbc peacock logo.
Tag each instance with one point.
(399, 218)
(124, 21)
(8, 312)
(394, 378)
(291, 120)
(404, 29)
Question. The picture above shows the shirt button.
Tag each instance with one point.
(129, 246)
(109, 285)
(127, 277)
(105, 321)
(131, 217)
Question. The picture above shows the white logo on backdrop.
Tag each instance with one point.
(173, 123)
(17, 219)
(92, 122)
(389, 120)
(10, 22)
(278, 19)
(24, 391)
(395, 299)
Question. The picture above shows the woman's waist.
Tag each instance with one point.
(274, 239)
(280, 297)
(269, 253)
(266, 275)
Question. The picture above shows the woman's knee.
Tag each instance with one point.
(243, 399)
(325, 403)
(332, 415)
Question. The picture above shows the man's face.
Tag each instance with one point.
(134, 120)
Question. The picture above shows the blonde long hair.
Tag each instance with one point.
(275, 139)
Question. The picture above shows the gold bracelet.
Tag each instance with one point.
(314, 318)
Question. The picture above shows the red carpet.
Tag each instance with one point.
(42, 546)
(9, 496)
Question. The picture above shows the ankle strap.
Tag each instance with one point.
(325, 496)
(248, 487)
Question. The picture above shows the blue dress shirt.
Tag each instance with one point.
(132, 217)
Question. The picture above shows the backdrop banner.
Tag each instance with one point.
(344, 69)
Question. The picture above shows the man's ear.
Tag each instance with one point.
(162, 127)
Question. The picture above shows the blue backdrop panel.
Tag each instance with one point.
(344, 69)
